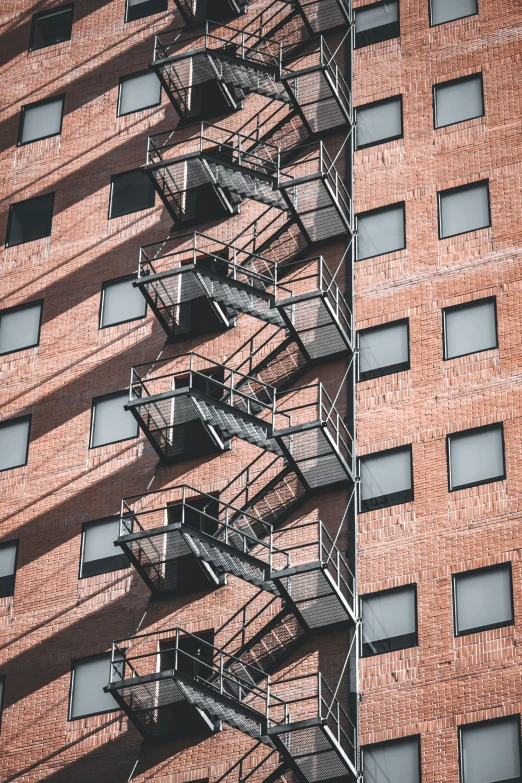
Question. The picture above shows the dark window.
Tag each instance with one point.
(384, 349)
(139, 91)
(490, 751)
(470, 328)
(51, 27)
(476, 457)
(395, 761)
(41, 120)
(111, 423)
(99, 554)
(14, 442)
(2, 691)
(131, 191)
(121, 302)
(458, 100)
(379, 122)
(29, 220)
(386, 478)
(381, 231)
(8, 557)
(464, 209)
(376, 22)
(20, 327)
(137, 9)
(195, 655)
(389, 620)
(483, 599)
(89, 676)
(447, 10)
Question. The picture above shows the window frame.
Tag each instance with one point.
(463, 306)
(450, 21)
(397, 502)
(24, 306)
(105, 283)
(5, 544)
(48, 12)
(111, 195)
(71, 688)
(463, 727)
(398, 739)
(503, 624)
(388, 138)
(459, 80)
(126, 78)
(462, 433)
(414, 636)
(26, 106)
(151, 13)
(384, 208)
(93, 415)
(27, 417)
(85, 525)
(373, 43)
(380, 372)
(467, 186)
(10, 220)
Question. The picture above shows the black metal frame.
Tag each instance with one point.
(463, 306)
(394, 741)
(385, 139)
(54, 99)
(504, 719)
(28, 417)
(50, 12)
(9, 585)
(26, 306)
(462, 434)
(120, 174)
(105, 284)
(95, 401)
(103, 569)
(392, 644)
(388, 31)
(394, 498)
(460, 80)
(148, 8)
(74, 661)
(127, 78)
(450, 21)
(455, 578)
(384, 208)
(389, 369)
(12, 207)
(468, 186)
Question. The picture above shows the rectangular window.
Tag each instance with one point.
(139, 91)
(51, 27)
(89, 676)
(14, 442)
(376, 22)
(384, 350)
(111, 423)
(379, 122)
(381, 231)
(30, 219)
(395, 761)
(389, 620)
(8, 558)
(386, 478)
(476, 457)
(483, 599)
(470, 328)
(448, 10)
(458, 100)
(99, 554)
(121, 302)
(20, 327)
(41, 120)
(464, 209)
(131, 191)
(137, 9)
(490, 751)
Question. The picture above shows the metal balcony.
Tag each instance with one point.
(260, 765)
(322, 16)
(198, 10)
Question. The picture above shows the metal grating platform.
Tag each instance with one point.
(324, 15)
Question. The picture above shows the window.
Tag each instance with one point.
(121, 302)
(376, 22)
(51, 27)
(483, 599)
(378, 122)
(139, 91)
(386, 478)
(448, 10)
(464, 209)
(99, 555)
(131, 191)
(89, 676)
(490, 751)
(476, 457)
(110, 421)
(41, 120)
(458, 100)
(8, 557)
(381, 231)
(137, 9)
(2, 690)
(20, 327)
(384, 349)
(395, 761)
(14, 442)
(29, 220)
(389, 620)
(470, 328)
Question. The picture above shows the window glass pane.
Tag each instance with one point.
(469, 329)
(51, 28)
(380, 232)
(465, 209)
(131, 191)
(20, 328)
(14, 439)
(383, 347)
(112, 422)
(90, 676)
(491, 751)
(458, 101)
(378, 122)
(376, 15)
(387, 615)
(139, 92)
(8, 558)
(447, 10)
(99, 538)
(41, 120)
(137, 9)
(476, 457)
(483, 598)
(392, 762)
(122, 302)
(30, 220)
(385, 473)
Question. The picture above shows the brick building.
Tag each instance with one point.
(259, 352)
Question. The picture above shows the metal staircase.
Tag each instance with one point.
(198, 10)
